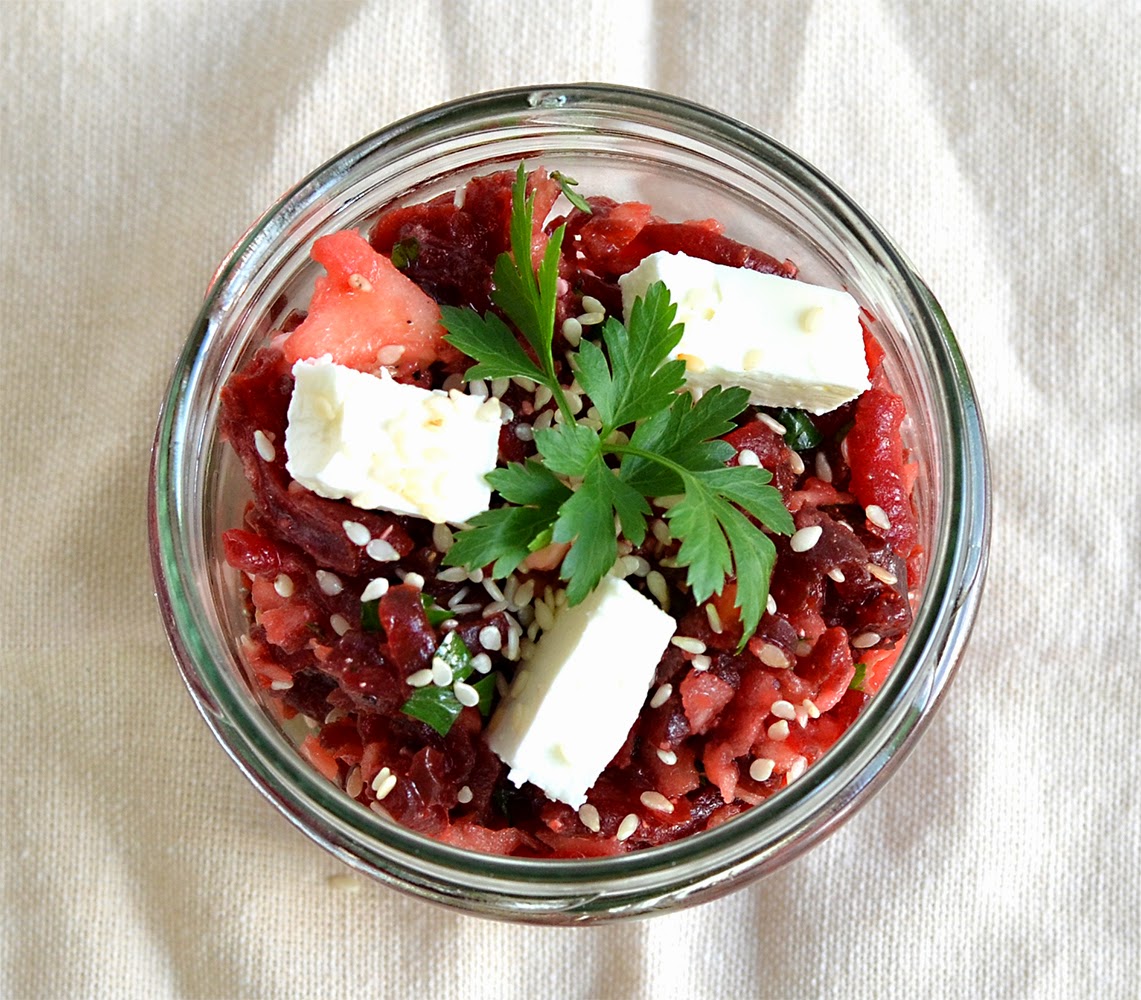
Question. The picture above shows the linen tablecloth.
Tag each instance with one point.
(999, 144)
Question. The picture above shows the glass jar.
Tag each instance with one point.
(687, 162)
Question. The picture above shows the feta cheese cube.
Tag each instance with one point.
(573, 701)
(788, 342)
(382, 444)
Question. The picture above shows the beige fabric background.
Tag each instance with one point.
(1000, 143)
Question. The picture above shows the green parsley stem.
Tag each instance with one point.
(625, 449)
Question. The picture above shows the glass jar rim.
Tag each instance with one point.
(423, 864)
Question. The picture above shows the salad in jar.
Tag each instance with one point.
(573, 530)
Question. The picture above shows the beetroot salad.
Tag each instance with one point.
(476, 434)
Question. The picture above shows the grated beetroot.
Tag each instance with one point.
(697, 745)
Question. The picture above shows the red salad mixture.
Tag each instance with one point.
(722, 728)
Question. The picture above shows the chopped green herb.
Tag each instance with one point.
(405, 252)
(802, 433)
(587, 477)
(567, 184)
(436, 615)
(438, 706)
(857, 683)
(370, 616)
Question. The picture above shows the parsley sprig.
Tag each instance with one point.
(654, 441)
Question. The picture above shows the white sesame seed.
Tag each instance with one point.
(457, 598)
(526, 384)
(499, 386)
(701, 662)
(656, 583)
(572, 331)
(661, 531)
(761, 769)
(544, 617)
(795, 769)
(882, 574)
(836, 575)
(778, 731)
(381, 777)
(382, 551)
(591, 319)
(465, 694)
(865, 640)
(810, 708)
(525, 432)
(455, 381)
(661, 696)
(714, 619)
(574, 402)
(688, 644)
(419, 679)
(656, 801)
(414, 580)
(805, 538)
(588, 816)
(464, 795)
(478, 388)
(506, 414)
(354, 784)
(386, 786)
(771, 605)
(264, 446)
(784, 709)
(525, 593)
(490, 638)
(493, 590)
(356, 532)
(746, 456)
(329, 583)
(283, 584)
(773, 424)
(513, 649)
(667, 757)
(823, 469)
(476, 575)
(481, 662)
(591, 305)
(339, 623)
(877, 516)
(442, 674)
(795, 462)
(627, 827)
(773, 656)
(453, 574)
(543, 396)
(442, 537)
(283, 685)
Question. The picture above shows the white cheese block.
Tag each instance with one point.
(385, 445)
(573, 701)
(788, 342)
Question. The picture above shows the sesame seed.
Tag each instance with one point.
(339, 623)
(784, 709)
(865, 640)
(656, 583)
(525, 432)
(701, 662)
(543, 396)
(627, 827)
(661, 696)
(656, 801)
(574, 402)
(421, 678)
(877, 516)
(714, 619)
(882, 574)
(264, 446)
(795, 462)
(805, 538)
(283, 584)
(476, 575)
(771, 605)
(381, 777)
(823, 469)
(455, 381)
(382, 551)
(499, 386)
(811, 319)
(591, 319)
(283, 685)
(414, 580)
(464, 795)
(490, 638)
(506, 414)
(773, 656)
(773, 424)
(836, 574)
(457, 598)
(513, 650)
(544, 617)
(778, 731)
(386, 786)
(481, 662)
(661, 531)
(810, 708)
(442, 537)
(442, 674)
(588, 816)
(746, 456)
(329, 583)
(465, 694)
(390, 354)
(356, 532)
(453, 574)
(354, 784)
(667, 756)
(688, 644)
(478, 388)
(572, 331)
(795, 769)
(762, 769)
(591, 305)
(493, 590)
(525, 593)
